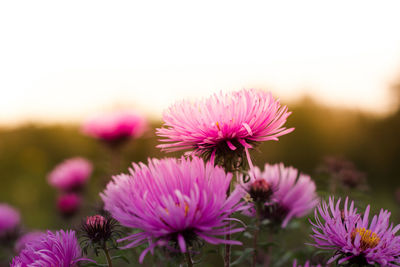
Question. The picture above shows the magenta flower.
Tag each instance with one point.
(9, 219)
(60, 249)
(68, 204)
(72, 174)
(172, 200)
(115, 127)
(353, 238)
(28, 238)
(286, 194)
(223, 124)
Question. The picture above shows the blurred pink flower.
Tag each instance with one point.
(68, 204)
(28, 238)
(224, 124)
(115, 127)
(71, 174)
(9, 219)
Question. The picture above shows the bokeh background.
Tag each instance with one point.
(336, 65)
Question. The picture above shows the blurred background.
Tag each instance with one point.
(336, 65)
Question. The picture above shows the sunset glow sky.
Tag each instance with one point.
(62, 61)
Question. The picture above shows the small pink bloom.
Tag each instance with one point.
(116, 126)
(9, 219)
(68, 204)
(72, 174)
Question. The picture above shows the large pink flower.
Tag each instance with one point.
(225, 123)
(115, 127)
(71, 174)
(173, 201)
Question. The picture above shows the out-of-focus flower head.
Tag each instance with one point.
(174, 203)
(68, 204)
(344, 171)
(59, 249)
(353, 237)
(70, 175)
(224, 126)
(115, 128)
(285, 193)
(97, 231)
(27, 238)
(9, 219)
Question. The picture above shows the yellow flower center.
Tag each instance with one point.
(368, 238)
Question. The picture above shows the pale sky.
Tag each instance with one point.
(61, 61)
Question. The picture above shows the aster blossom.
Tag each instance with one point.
(9, 219)
(59, 249)
(115, 127)
(354, 238)
(71, 174)
(223, 125)
(174, 203)
(284, 192)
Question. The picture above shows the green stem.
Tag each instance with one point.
(227, 257)
(256, 233)
(188, 259)
(107, 256)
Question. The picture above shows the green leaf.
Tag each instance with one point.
(246, 253)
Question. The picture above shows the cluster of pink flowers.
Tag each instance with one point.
(180, 203)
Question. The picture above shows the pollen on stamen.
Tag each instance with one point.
(368, 239)
(217, 124)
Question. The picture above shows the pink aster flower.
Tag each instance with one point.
(353, 237)
(9, 219)
(72, 174)
(68, 204)
(285, 192)
(173, 200)
(224, 125)
(59, 249)
(28, 238)
(115, 127)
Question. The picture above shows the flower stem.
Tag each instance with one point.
(227, 257)
(188, 259)
(109, 262)
(256, 234)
